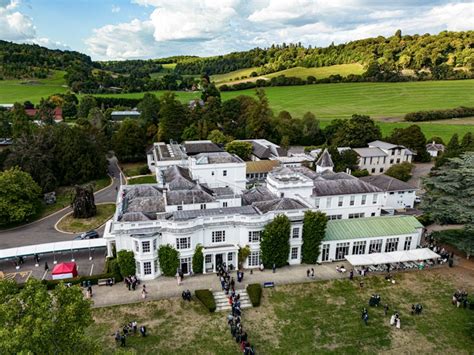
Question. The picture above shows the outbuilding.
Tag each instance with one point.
(64, 271)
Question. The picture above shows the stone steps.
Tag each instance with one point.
(222, 300)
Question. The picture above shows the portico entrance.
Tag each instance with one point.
(223, 255)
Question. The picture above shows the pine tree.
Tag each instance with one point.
(314, 229)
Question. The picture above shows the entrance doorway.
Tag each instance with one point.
(219, 260)
(185, 265)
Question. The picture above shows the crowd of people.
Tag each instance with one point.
(186, 295)
(131, 282)
(310, 273)
(128, 329)
(234, 322)
(460, 299)
(228, 282)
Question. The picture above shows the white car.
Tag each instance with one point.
(417, 199)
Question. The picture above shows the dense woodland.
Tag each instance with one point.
(398, 51)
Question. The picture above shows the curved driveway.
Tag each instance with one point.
(43, 231)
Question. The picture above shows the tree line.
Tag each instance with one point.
(415, 52)
(432, 115)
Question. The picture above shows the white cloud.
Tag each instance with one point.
(115, 9)
(14, 26)
(209, 27)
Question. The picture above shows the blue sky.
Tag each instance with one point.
(127, 29)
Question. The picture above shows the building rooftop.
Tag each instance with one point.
(325, 160)
(342, 187)
(125, 113)
(370, 152)
(186, 197)
(279, 204)
(261, 166)
(186, 215)
(196, 147)
(383, 145)
(345, 229)
(264, 149)
(387, 183)
(433, 146)
(169, 151)
(255, 194)
(216, 158)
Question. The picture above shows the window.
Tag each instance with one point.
(398, 161)
(145, 247)
(296, 233)
(208, 258)
(352, 200)
(203, 206)
(294, 253)
(384, 159)
(224, 204)
(356, 215)
(155, 266)
(316, 202)
(391, 244)
(254, 236)
(340, 201)
(328, 202)
(401, 192)
(364, 199)
(407, 244)
(147, 268)
(375, 246)
(365, 161)
(374, 198)
(372, 214)
(154, 244)
(393, 152)
(342, 249)
(183, 243)
(371, 160)
(224, 173)
(358, 247)
(230, 257)
(212, 173)
(381, 170)
(325, 252)
(180, 208)
(373, 170)
(335, 216)
(254, 258)
(218, 236)
(137, 248)
(391, 161)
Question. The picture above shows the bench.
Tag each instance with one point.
(268, 284)
(106, 282)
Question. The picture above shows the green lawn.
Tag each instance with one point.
(149, 179)
(132, 169)
(233, 75)
(322, 72)
(33, 90)
(78, 225)
(312, 318)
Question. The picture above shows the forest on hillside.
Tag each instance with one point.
(398, 51)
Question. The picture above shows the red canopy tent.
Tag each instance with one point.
(64, 271)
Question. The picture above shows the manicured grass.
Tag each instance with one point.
(12, 91)
(132, 169)
(311, 318)
(149, 179)
(77, 225)
(235, 75)
(322, 72)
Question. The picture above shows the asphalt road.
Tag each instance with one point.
(43, 231)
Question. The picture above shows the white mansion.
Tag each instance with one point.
(203, 199)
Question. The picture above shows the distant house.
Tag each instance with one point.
(263, 149)
(5, 143)
(6, 106)
(58, 113)
(379, 156)
(122, 115)
(435, 149)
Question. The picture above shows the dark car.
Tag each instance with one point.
(87, 235)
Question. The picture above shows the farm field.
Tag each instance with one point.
(233, 75)
(310, 318)
(33, 89)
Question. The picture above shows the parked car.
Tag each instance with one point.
(87, 235)
(417, 199)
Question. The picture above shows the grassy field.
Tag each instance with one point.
(33, 90)
(233, 75)
(132, 169)
(78, 225)
(311, 318)
(149, 179)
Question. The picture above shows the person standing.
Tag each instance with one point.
(46, 267)
(144, 292)
(385, 309)
(312, 273)
(273, 267)
(351, 274)
(307, 273)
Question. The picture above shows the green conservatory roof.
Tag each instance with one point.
(370, 227)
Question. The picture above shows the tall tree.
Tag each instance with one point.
(258, 124)
(169, 260)
(275, 243)
(240, 148)
(86, 104)
(149, 108)
(35, 321)
(46, 111)
(129, 142)
(413, 138)
(314, 229)
(19, 196)
(357, 132)
(21, 123)
(172, 118)
(311, 134)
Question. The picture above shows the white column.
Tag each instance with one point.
(204, 264)
(109, 249)
(227, 260)
(214, 262)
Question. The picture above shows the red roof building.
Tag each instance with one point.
(58, 113)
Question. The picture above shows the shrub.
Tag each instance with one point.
(255, 294)
(169, 260)
(425, 219)
(207, 299)
(243, 254)
(457, 112)
(112, 267)
(400, 171)
(198, 260)
(143, 170)
(126, 262)
(360, 173)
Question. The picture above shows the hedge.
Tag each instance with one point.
(255, 294)
(51, 284)
(432, 115)
(207, 299)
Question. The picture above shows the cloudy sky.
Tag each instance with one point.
(127, 29)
